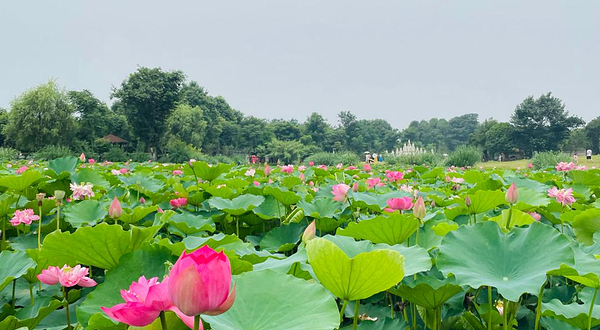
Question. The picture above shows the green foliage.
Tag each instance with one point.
(464, 156)
(39, 117)
(331, 159)
(542, 160)
(426, 158)
(289, 152)
(115, 154)
(53, 152)
(592, 129)
(8, 154)
(542, 124)
(186, 124)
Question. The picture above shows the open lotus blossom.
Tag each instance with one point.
(287, 169)
(66, 276)
(339, 166)
(530, 165)
(562, 196)
(81, 191)
(200, 283)
(562, 166)
(457, 180)
(311, 163)
(178, 202)
(301, 168)
(535, 215)
(367, 167)
(401, 203)
(24, 216)
(250, 172)
(340, 192)
(144, 301)
(406, 188)
(394, 176)
(21, 169)
(267, 170)
(374, 182)
(91, 161)
(323, 167)
(177, 172)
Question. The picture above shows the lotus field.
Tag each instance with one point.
(89, 245)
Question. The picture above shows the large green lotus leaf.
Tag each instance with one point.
(189, 224)
(136, 214)
(354, 278)
(380, 324)
(87, 212)
(282, 238)
(586, 270)
(555, 324)
(416, 259)
(64, 165)
(320, 207)
(525, 183)
(100, 246)
(574, 313)
(586, 224)
(148, 261)
(6, 202)
(20, 182)
(284, 265)
(517, 219)
(275, 301)
(485, 200)
(529, 197)
(474, 176)
(395, 229)
(238, 205)
(270, 209)
(13, 265)
(514, 263)
(585, 177)
(89, 175)
(207, 172)
(228, 243)
(145, 180)
(284, 197)
(428, 291)
(31, 315)
(375, 202)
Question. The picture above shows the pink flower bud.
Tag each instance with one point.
(512, 194)
(310, 232)
(115, 210)
(419, 209)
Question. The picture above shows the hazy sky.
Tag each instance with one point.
(398, 60)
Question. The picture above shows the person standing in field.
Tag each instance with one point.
(575, 157)
(588, 154)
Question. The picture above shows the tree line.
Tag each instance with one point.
(162, 114)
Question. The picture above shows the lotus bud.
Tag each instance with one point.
(115, 210)
(467, 201)
(267, 170)
(82, 157)
(419, 210)
(355, 187)
(142, 200)
(512, 194)
(310, 232)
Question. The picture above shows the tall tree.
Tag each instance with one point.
(577, 140)
(186, 124)
(148, 96)
(318, 129)
(39, 117)
(499, 139)
(592, 129)
(479, 136)
(92, 115)
(460, 129)
(542, 124)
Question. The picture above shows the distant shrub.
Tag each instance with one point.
(179, 152)
(115, 154)
(7, 154)
(464, 156)
(52, 152)
(416, 159)
(542, 160)
(328, 158)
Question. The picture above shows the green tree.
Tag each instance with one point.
(577, 140)
(479, 137)
(3, 122)
(499, 139)
(592, 129)
(542, 124)
(39, 117)
(460, 129)
(254, 132)
(288, 151)
(92, 115)
(186, 124)
(318, 129)
(286, 130)
(147, 97)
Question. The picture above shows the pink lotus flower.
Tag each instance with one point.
(267, 170)
(178, 202)
(115, 210)
(339, 166)
(142, 200)
(457, 180)
(82, 190)
(256, 183)
(351, 167)
(419, 209)
(301, 168)
(367, 167)
(374, 182)
(530, 165)
(91, 161)
(144, 301)
(401, 203)
(512, 194)
(340, 192)
(250, 172)
(406, 188)
(562, 196)
(355, 187)
(310, 232)
(114, 172)
(302, 176)
(82, 157)
(66, 276)
(394, 176)
(21, 169)
(24, 216)
(287, 169)
(123, 170)
(311, 163)
(562, 166)
(535, 215)
(323, 167)
(200, 282)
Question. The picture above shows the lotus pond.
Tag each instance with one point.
(224, 247)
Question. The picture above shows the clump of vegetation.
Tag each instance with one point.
(7, 154)
(416, 159)
(53, 152)
(547, 159)
(328, 158)
(464, 156)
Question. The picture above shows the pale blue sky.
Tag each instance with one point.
(398, 60)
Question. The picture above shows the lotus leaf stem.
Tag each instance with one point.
(342, 310)
(592, 309)
(538, 308)
(66, 302)
(163, 320)
(490, 307)
(356, 307)
(197, 322)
